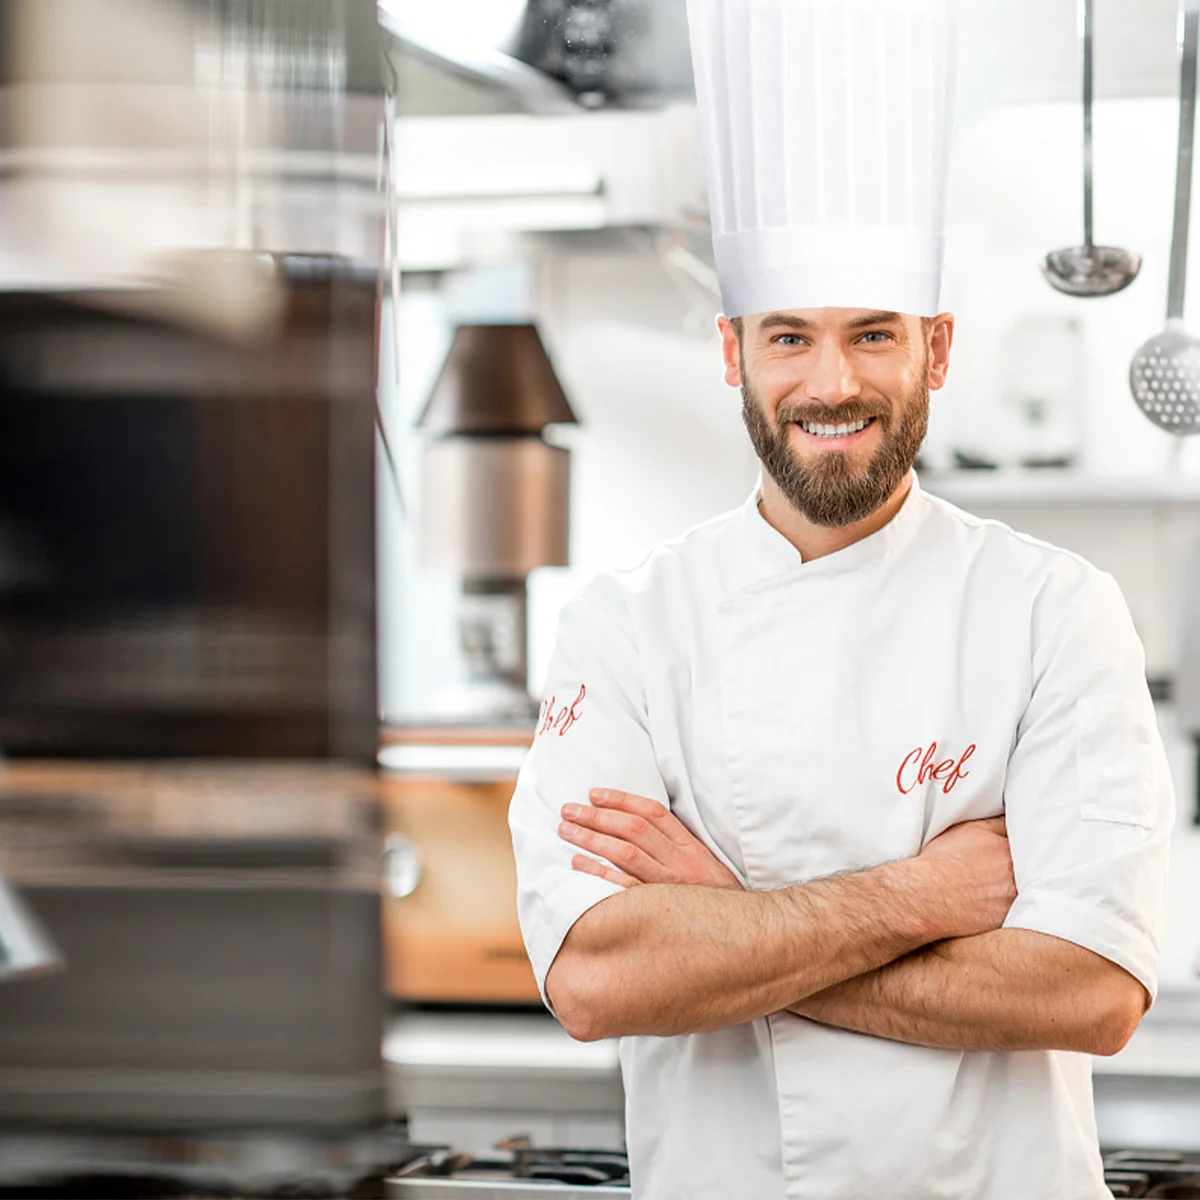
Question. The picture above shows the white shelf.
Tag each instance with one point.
(1051, 486)
(459, 762)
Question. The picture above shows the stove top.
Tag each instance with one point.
(528, 1173)
(1155, 1175)
(522, 1173)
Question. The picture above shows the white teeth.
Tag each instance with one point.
(831, 431)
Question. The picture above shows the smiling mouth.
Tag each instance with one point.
(833, 432)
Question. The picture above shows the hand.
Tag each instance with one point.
(642, 841)
(974, 872)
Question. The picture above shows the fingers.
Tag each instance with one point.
(640, 806)
(659, 816)
(591, 866)
(626, 856)
(629, 827)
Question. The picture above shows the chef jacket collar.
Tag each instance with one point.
(772, 558)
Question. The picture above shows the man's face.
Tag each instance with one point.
(836, 401)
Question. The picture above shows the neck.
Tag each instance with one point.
(816, 541)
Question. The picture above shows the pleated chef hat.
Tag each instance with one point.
(826, 127)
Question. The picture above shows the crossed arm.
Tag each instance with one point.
(912, 951)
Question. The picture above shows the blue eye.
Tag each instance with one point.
(790, 339)
(876, 333)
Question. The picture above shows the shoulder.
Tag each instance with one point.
(1052, 583)
(670, 569)
(1039, 564)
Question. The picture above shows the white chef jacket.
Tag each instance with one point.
(809, 718)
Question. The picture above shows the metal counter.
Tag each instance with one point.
(470, 1079)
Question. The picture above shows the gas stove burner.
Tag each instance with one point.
(1153, 1174)
(593, 1168)
(519, 1172)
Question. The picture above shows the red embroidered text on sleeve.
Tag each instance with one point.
(552, 718)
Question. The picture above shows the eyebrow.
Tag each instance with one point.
(784, 320)
(877, 318)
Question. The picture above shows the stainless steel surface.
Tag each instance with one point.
(192, 529)
(1165, 374)
(518, 1166)
(1183, 180)
(1090, 270)
(497, 380)
(402, 866)
(459, 1189)
(494, 67)
(494, 507)
(236, 1163)
(504, 1062)
(472, 1079)
(541, 56)
(25, 947)
(221, 925)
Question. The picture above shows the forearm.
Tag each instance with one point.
(1007, 990)
(670, 959)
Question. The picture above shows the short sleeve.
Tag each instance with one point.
(592, 732)
(1088, 794)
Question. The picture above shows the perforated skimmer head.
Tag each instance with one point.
(1165, 380)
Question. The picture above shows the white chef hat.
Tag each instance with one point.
(826, 128)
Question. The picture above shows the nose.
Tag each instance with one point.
(831, 378)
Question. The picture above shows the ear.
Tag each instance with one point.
(941, 338)
(730, 351)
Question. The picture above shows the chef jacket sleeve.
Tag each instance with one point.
(592, 732)
(1088, 793)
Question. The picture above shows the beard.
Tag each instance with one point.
(832, 492)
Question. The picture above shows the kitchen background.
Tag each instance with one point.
(592, 224)
(405, 169)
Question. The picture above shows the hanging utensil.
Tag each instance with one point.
(1090, 270)
(1165, 374)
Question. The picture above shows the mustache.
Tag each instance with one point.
(842, 414)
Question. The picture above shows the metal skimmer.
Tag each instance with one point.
(1165, 373)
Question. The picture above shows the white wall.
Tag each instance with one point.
(1015, 195)
(661, 445)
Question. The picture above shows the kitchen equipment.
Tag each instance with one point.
(189, 800)
(188, 529)
(551, 57)
(529, 1173)
(1156, 1175)
(1165, 373)
(494, 506)
(1042, 367)
(221, 927)
(522, 1173)
(25, 947)
(450, 916)
(1090, 270)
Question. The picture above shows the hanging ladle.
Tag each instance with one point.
(1090, 270)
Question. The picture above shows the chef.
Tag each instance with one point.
(847, 811)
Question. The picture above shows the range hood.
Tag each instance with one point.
(559, 56)
(552, 57)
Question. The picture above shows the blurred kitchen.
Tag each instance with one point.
(340, 343)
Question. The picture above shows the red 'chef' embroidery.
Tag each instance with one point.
(552, 718)
(922, 765)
